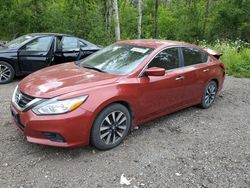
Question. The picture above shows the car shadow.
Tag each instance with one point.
(161, 124)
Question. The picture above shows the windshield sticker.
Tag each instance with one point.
(139, 50)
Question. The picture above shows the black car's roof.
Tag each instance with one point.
(62, 35)
(54, 34)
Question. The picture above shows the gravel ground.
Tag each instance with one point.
(190, 148)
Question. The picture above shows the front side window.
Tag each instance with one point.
(41, 44)
(117, 58)
(68, 43)
(167, 59)
(193, 56)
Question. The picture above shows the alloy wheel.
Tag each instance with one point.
(210, 93)
(113, 127)
(5, 73)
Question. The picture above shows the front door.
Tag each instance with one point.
(36, 54)
(162, 94)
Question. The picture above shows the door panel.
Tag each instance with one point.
(35, 55)
(161, 93)
(191, 86)
(68, 49)
(197, 72)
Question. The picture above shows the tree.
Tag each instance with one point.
(206, 16)
(139, 18)
(108, 14)
(116, 19)
(156, 19)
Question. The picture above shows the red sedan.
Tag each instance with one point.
(99, 99)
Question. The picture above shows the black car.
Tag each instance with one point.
(32, 52)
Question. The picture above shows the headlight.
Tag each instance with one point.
(54, 106)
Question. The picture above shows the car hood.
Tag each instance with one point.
(6, 50)
(62, 79)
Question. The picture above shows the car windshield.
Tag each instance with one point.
(116, 59)
(18, 41)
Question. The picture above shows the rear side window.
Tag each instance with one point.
(167, 59)
(193, 56)
(69, 43)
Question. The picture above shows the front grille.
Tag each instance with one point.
(22, 99)
(16, 117)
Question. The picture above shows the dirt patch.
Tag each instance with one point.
(190, 148)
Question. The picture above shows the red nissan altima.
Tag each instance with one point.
(99, 99)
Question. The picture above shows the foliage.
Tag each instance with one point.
(236, 56)
(185, 20)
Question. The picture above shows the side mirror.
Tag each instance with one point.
(155, 71)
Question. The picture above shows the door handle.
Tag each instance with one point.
(205, 70)
(180, 78)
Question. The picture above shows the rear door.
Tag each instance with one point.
(196, 73)
(36, 54)
(67, 50)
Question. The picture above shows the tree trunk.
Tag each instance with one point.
(139, 18)
(156, 19)
(116, 18)
(108, 14)
(206, 17)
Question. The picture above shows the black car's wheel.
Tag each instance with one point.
(111, 127)
(209, 94)
(7, 73)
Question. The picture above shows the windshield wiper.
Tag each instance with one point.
(93, 68)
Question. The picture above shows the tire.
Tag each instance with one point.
(111, 127)
(7, 73)
(209, 94)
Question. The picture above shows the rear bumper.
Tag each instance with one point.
(72, 128)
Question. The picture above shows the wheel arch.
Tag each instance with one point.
(125, 103)
(111, 102)
(216, 81)
(114, 101)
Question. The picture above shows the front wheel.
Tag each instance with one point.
(209, 94)
(111, 127)
(7, 72)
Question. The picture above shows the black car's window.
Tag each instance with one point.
(117, 58)
(18, 41)
(41, 44)
(193, 56)
(82, 44)
(167, 59)
(68, 43)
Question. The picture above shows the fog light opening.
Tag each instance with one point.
(55, 137)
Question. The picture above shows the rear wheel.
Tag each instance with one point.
(111, 127)
(209, 94)
(7, 72)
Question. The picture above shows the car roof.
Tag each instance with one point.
(154, 43)
(49, 34)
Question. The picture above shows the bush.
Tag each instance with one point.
(236, 56)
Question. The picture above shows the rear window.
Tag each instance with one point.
(193, 56)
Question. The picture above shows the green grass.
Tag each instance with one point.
(237, 63)
(236, 56)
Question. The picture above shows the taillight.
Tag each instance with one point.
(222, 66)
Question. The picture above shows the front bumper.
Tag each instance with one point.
(73, 127)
